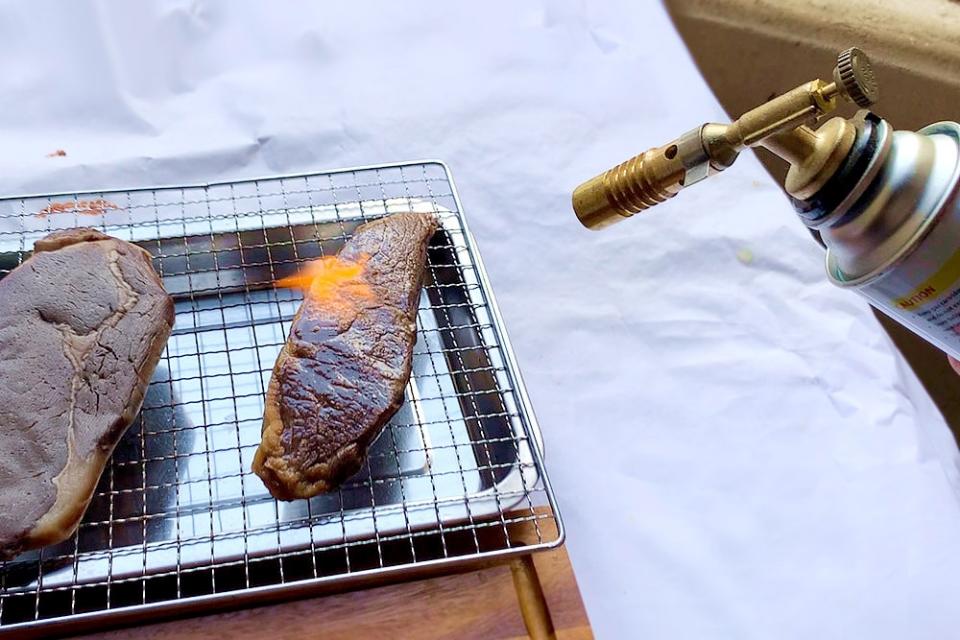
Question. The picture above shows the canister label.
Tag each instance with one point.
(937, 299)
(923, 290)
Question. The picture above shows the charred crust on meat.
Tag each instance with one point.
(341, 375)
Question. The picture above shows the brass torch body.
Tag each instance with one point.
(782, 125)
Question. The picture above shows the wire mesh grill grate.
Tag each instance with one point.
(177, 513)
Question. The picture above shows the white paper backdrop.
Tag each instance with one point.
(737, 450)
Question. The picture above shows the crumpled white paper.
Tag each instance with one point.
(736, 447)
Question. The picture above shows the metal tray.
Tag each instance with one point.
(178, 521)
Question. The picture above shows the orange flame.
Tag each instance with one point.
(334, 283)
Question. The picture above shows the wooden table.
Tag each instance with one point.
(484, 603)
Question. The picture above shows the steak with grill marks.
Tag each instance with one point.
(340, 376)
(85, 320)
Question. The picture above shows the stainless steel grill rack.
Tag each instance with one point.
(178, 521)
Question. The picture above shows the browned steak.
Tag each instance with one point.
(340, 376)
(84, 322)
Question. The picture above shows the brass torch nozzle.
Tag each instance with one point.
(780, 125)
(637, 184)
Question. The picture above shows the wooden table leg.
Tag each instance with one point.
(533, 604)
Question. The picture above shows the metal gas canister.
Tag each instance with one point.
(884, 203)
(895, 236)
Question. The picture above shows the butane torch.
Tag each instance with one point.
(884, 202)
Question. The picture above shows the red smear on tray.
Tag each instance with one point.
(96, 207)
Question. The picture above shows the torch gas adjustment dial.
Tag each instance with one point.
(854, 75)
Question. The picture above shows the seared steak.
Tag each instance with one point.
(341, 374)
(85, 320)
